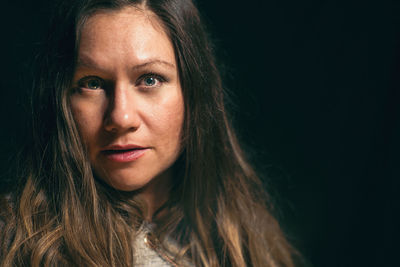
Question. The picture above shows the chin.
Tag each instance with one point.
(126, 185)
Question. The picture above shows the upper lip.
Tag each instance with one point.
(122, 147)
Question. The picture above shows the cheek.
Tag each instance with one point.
(168, 121)
(87, 117)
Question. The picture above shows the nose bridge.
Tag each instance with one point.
(121, 113)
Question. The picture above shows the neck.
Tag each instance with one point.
(156, 193)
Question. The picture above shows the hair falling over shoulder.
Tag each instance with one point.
(61, 215)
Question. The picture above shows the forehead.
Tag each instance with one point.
(130, 32)
(123, 17)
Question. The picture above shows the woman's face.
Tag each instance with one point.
(127, 99)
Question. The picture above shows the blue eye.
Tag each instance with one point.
(150, 80)
(91, 82)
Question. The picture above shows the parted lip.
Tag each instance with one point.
(122, 147)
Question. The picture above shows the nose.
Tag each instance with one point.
(121, 115)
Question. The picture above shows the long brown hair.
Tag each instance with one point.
(62, 215)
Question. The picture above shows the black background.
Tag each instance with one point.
(316, 92)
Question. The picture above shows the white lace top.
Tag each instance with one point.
(146, 254)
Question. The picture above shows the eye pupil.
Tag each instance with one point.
(149, 81)
(93, 84)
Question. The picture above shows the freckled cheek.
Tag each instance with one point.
(88, 119)
(169, 121)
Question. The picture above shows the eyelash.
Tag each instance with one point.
(160, 79)
(83, 82)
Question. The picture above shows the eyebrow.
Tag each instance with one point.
(88, 62)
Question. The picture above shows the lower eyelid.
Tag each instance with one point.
(87, 91)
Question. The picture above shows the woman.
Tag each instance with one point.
(133, 161)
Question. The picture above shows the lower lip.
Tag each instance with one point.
(125, 156)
